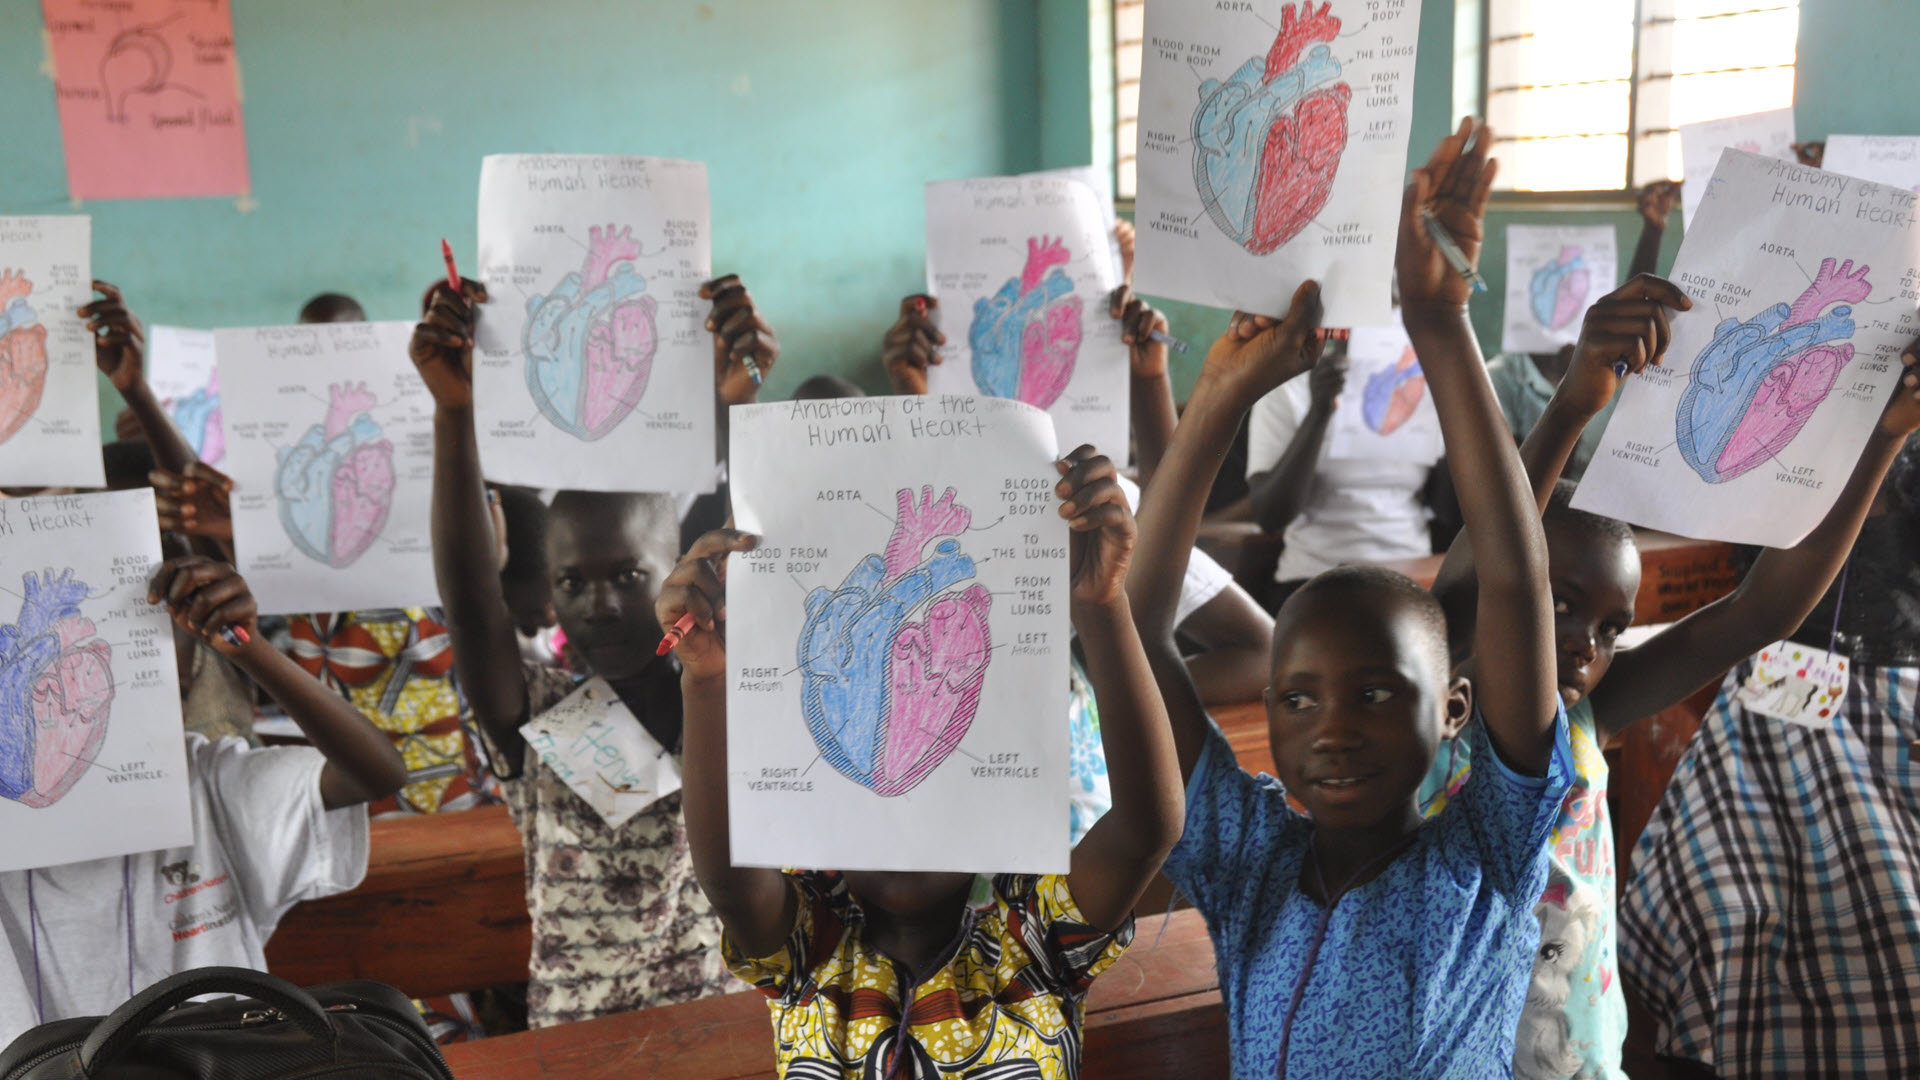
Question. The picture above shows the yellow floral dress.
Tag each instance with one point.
(1012, 997)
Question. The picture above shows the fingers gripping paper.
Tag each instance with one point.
(1272, 145)
(897, 643)
(1803, 286)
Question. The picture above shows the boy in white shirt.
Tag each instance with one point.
(271, 827)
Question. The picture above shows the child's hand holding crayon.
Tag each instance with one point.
(1622, 333)
(119, 341)
(442, 345)
(1452, 188)
(911, 345)
(1147, 355)
(1101, 544)
(210, 599)
(744, 348)
(696, 588)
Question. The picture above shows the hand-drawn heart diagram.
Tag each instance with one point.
(1267, 142)
(1026, 336)
(1558, 290)
(335, 485)
(1393, 393)
(197, 416)
(23, 354)
(889, 699)
(590, 341)
(56, 691)
(1757, 383)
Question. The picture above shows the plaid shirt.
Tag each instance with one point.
(1773, 923)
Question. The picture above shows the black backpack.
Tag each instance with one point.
(276, 1032)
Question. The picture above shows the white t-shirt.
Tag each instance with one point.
(1205, 578)
(261, 843)
(1359, 511)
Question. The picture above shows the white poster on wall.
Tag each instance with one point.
(183, 375)
(595, 370)
(92, 756)
(49, 393)
(332, 465)
(1803, 287)
(1554, 274)
(1769, 134)
(1023, 267)
(1273, 148)
(897, 644)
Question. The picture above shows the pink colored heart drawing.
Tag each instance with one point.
(1026, 337)
(56, 691)
(23, 354)
(335, 486)
(888, 699)
(590, 340)
(1558, 289)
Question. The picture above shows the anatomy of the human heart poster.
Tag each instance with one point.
(1022, 267)
(1554, 274)
(595, 370)
(92, 758)
(331, 437)
(897, 643)
(49, 394)
(1272, 148)
(1803, 285)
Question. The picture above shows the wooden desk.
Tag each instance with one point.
(1155, 1014)
(443, 909)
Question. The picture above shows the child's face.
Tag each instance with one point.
(1359, 702)
(1594, 580)
(605, 572)
(905, 895)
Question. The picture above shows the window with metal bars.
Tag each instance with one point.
(1586, 95)
(1129, 39)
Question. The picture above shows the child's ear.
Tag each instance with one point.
(1459, 707)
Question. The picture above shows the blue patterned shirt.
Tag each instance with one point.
(1423, 970)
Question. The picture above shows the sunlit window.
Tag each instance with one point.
(1129, 37)
(1586, 95)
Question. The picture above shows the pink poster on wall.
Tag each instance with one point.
(149, 96)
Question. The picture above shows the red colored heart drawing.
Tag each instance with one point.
(23, 354)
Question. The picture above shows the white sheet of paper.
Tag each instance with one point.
(1796, 684)
(1769, 134)
(1883, 159)
(1802, 284)
(1221, 224)
(592, 741)
(49, 396)
(1101, 181)
(93, 760)
(595, 370)
(1385, 412)
(332, 466)
(1023, 268)
(1554, 274)
(897, 643)
(181, 370)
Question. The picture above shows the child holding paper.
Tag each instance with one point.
(1361, 940)
(619, 921)
(921, 974)
(271, 827)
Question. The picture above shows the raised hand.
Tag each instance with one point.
(206, 596)
(1629, 324)
(1902, 415)
(695, 587)
(911, 345)
(442, 345)
(1101, 545)
(1138, 320)
(1259, 352)
(1656, 202)
(119, 341)
(1453, 184)
(195, 502)
(1329, 376)
(740, 338)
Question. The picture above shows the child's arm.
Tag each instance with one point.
(740, 336)
(120, 350)
(1255, 355)
(207, 597)
(1151, 392)
(1279, 494)
(910, 347)
(466, 559)
(1514, 638)
(1236, 635)
(1630, 324)
(755, 904)
(1656, 206)
(1120, 854)
(1773, 600)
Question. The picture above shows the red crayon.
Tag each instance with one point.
(453, 275)
(682, 626)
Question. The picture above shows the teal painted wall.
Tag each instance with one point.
(367, 119)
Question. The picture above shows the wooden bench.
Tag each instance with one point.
(443, 909)
(1156, 1014)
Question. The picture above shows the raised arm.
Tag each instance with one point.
(466, 558)
(1150, 394)
(1514, 637)
(1776, 595)
(743, 342)
(1630, 324)
(120, 350)
(1280, 493)
(207, 597)
(1255, 355)
(755, 904)
(1656, 206)
(912, 344)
